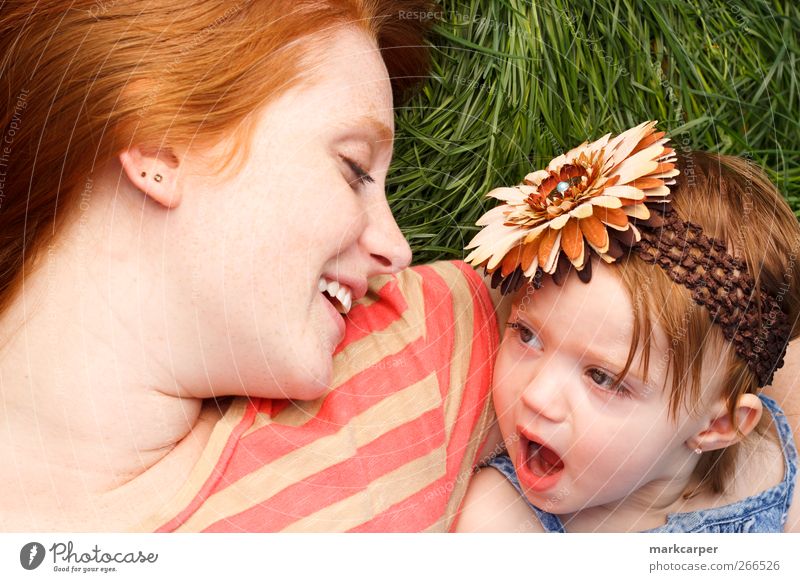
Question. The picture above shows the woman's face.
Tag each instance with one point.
(308, 208)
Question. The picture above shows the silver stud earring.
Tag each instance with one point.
(698, 451)
(157, 177)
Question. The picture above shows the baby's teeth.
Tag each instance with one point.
(348, 302)
(322, 285)
(333, 288)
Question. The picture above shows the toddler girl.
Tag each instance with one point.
(654, 297)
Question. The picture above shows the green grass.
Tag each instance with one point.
(514, 85)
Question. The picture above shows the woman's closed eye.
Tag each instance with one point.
(526, 335)
(608, 382)
(359, 175)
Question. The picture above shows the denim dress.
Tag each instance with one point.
(764, 512)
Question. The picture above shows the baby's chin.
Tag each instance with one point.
(561, 500)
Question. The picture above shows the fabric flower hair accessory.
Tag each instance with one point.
(584, 201)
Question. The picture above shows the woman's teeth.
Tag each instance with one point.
(335, 290)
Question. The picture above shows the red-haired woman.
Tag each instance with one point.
(192, 197)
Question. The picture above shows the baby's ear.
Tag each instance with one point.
(721, 432)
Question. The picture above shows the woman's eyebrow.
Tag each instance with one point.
(378, 130)
(383, 131)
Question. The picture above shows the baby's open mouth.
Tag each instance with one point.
(542, 461)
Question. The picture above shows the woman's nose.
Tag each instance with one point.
(545, 396)
(385, 242)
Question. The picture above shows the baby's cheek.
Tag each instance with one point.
(504, 395)
(606, 457)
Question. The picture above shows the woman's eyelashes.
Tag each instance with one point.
(526, 335)
(360, 175)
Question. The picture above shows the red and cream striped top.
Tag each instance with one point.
(389, 448)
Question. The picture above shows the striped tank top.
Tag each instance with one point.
(389, 448)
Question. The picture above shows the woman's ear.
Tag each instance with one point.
(153, 172)
(721, 432)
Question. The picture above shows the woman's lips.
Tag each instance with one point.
(539, 467)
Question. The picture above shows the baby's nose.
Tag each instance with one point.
(545, 396)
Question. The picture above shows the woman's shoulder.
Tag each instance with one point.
(480, 286)
(440, 311)
(456, 284)
(454, 278)
(493, 505)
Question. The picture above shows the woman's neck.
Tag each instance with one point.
(82, 435)
(92, 375)
(48, 495)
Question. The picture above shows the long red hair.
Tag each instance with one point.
(81, 81)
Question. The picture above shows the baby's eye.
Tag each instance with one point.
(608, 382)
(526, 335)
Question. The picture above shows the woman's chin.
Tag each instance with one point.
(310, 383)
(299, 380)
(313, 389)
